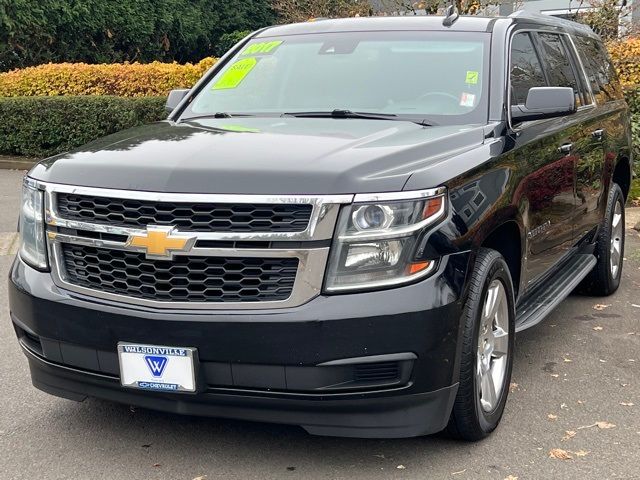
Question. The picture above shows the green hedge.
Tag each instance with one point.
(33, 32)
(44, 126)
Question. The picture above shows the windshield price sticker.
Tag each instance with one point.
(262, 48)
(472, 77)
(235, 74)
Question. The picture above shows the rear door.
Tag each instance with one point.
(604, 124)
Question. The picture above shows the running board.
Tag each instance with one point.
(547, 296)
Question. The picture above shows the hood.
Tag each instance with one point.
(260, 156)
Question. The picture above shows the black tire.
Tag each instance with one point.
(469, 420)
(601, 281)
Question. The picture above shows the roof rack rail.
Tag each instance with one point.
(550, 19)
(450, 16)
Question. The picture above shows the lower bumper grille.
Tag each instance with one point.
(183, 279)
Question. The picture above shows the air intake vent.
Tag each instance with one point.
(376, 372)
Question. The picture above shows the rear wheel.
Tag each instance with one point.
(487, 349)
(605, 277)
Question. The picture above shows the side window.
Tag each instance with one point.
(526, 71)
(601, 73)
(558, 64)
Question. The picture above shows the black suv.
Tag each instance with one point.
(341, 226)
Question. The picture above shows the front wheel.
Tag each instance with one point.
(487, 349)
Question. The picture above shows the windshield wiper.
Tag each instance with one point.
(217, 115)
(339, 113)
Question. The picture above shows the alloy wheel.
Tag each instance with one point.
(617, 231)
(493, 346)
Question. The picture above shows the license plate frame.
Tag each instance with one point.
(158, 368)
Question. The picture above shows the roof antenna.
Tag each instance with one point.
(450, 15)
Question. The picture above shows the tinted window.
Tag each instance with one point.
(601, 73)
(557, 63)
(526, 71)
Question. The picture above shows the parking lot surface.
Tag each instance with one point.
(576, 388)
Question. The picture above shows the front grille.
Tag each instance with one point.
(183, 279)
(198, 217)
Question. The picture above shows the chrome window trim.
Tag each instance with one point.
(312, 262)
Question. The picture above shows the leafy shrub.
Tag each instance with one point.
(632, 95)
(34, 32)
(626, 58)
(122, 79)
(43, 126)
(228, 40)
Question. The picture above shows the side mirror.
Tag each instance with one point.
(545, 102)
(174, 99)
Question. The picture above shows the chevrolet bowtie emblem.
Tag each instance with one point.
(161, 242)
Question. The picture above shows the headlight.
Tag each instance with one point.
(376, 238)
(32, 243)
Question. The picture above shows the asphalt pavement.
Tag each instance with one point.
(576, 388)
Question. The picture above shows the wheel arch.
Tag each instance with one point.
(506, 236)
(623, 174)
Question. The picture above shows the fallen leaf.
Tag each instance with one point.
(600, 306)
(401, 467)
(513, 386)
(627, 404)
(157, 464)
(560, 454)
(581, 453)
(604, 425)
(569, 434)
(580, 402)
(551, 416)
(597, 329)
(567, 360)
(600, 425)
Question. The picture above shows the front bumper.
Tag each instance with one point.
(266, 365)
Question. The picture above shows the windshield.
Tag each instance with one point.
(433, 77)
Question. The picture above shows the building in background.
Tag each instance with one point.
(628, 21)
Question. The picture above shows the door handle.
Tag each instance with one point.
(598, 134)
(565, 148)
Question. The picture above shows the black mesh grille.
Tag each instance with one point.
(370, 372)
(201, 217)
(183, 279)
